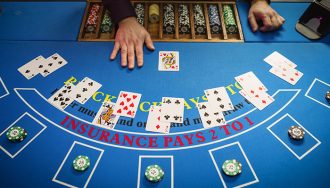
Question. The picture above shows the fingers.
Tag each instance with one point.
(267, 24)
(149, 42)
(253, 22)
(131, 56)
(139, 54)
(123, 55)
(115, 51)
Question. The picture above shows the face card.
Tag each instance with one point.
(61, 99)
(251, 81)
(154, 124)
(105, 115)
(84, 90)
(127, 104)
(168, 61)
(51, 64)
(290, 75)
(210, 116)
(260, 100)
(172, 110)
(218, 97)
(31, 69)
(278, 60)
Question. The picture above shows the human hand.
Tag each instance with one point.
(260, 10)
(130, 38)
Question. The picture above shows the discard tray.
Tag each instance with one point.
(178, 21)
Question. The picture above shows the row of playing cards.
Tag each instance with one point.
(161, 117)
(69, 92)
(254, 90)
(283, 68)
(211, 111)
(40, 65)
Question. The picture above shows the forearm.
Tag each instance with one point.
(120, 9)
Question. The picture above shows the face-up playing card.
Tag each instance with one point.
(31, 69)
(127, 104)
(168, 61)
(210, 116)
(260, 100)
(61, 99)
(105, 115)
(154, 124)
(250, 81)
(278, 60)
(84, 90)
(172, 110)
(290, 75)
(218, 97)
(51, 64)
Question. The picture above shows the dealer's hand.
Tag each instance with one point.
(130, 38)
(260, 10)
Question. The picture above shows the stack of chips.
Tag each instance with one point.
(106, 25)
(229, 18)
(169, 25)
(92, 18)
(154, 13)
(139, 10)
(215, 23)
(200, 25)
(184, 21)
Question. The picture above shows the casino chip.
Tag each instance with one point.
(81, 163)
(16, 134)
(232, 167)
(327, 96)
(154, 173)
(296, 132)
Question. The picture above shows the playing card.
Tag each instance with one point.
(278, 60)
(250, 81)
(127, 104)
(154, 124)
(260, 100)
(290, 75)
(210, 116)
(31, 69)
(172, 110)
(218, 97)
(105, 115)
(84, 90)
(61, 99)
(168, 61)
(51, 64)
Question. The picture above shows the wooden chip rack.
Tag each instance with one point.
(156, 29)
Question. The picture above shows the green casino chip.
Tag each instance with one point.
(16, 134)
(81, 163)
(296, 132)
(232, 167)
(154, 173)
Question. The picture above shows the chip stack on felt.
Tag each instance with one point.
(254, 90)
(284, 68)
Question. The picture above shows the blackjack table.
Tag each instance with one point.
(190, 155)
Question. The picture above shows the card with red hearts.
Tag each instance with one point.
(168, 61)
(127, 104)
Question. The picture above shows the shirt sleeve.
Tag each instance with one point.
(120, 9)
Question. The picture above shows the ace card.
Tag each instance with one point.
(168, 61)
(154, 124)
(105, 116)
(127, 104)
(172, 110)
